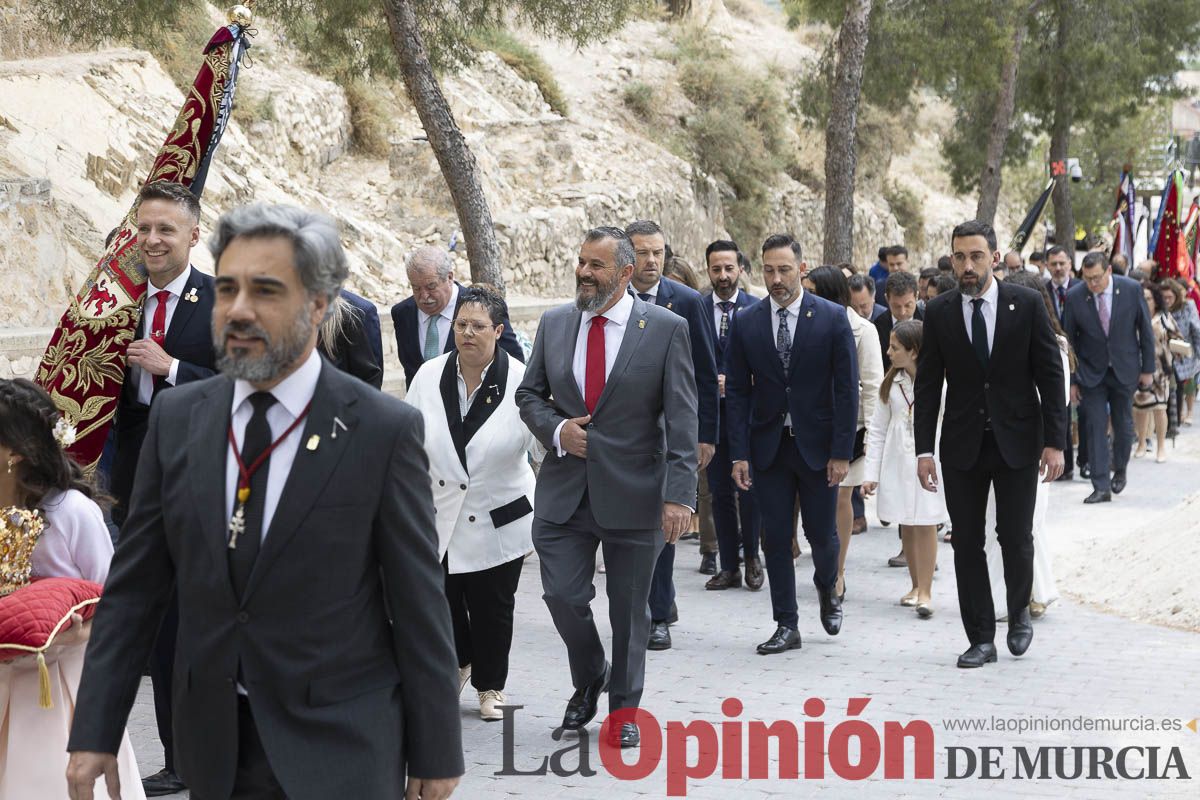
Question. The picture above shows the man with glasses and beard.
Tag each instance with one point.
(610, 392)
(991, 346)
(290, 505)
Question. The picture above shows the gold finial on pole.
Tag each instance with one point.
(241, 14)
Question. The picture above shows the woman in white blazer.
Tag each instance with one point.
(483, 485)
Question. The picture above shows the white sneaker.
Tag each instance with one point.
(464, 677)
(488, 702)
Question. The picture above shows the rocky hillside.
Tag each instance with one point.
(78, 130)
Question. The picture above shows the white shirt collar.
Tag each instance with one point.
(1065, 282)
(1108, 290)
(793, 309)
(716, 298)
(294, 392)
(617, 315)
(175, 287)
(447, 310)
(652, 291)
(991, 296)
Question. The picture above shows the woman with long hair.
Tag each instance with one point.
(1150, 403)
(1187, 367)
(37, 477)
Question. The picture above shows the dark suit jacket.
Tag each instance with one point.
(346, 702)
(743, 301)
(878, 311)
(1129, 346)
(408, 343)
(883, 324)
(820, 389)
(189, 339)
(1025, 362)
(1071, 284)
(687, 303)
(359, 350)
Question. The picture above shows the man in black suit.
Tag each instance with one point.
(896, 260)
(422, 322)
(350, 338)
(1061, 281)
(1108, 324)
(901, 294)
(991, 346)
(173, 347)
(735, 513)
(649, 250)
(291, 505)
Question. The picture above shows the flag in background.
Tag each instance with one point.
(1030, 222)
(83, 367)
(1171, 250)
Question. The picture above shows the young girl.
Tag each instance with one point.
(891, 453)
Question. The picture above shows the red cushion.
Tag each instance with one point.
(30, 615)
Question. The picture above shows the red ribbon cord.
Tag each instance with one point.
(246, 473)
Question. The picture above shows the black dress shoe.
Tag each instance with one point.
(1020, 632)
(977, 656)
(754, 574)
(673, 614)
(1098, 496)
(1118, 481)
(690, 535)
(708, 563)
(581, 708)
(625, 736)
(1085, 471)
(1069, 475)
(162, 783)
(724, 580)
(660, 636)
(831, 611)
(783, 639)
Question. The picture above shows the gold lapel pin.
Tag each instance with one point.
(641, 323)
(313, 442)
(488, 401)
(809, 314)
(668, 305)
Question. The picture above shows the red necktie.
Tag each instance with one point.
(593, 373)
(158, 326)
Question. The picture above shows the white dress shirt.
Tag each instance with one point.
(990, 298)
(717, 313)
(465, 399)
(145, 381)
(292, 395)
(445, 320)
(614, 334)
(652, 291)
(793, 317)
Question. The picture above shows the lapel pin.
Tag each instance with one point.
(337, 423)
(641, 323)
(1012, 306)
(668, 306)
(809, 314)
(191, 296)
(488, 401)
(314, 441)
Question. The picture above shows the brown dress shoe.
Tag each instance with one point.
(724, 580)
(754, 574)
(860, 525)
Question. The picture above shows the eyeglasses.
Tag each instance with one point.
(476, 328)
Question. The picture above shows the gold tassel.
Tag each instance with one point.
(45, 700)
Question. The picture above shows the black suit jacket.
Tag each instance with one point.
(687, 303)
(346, 701)
(883, 325)
(189, 339)
(1072, 282)
(408, 345)
(1021, 391)
(359, 349)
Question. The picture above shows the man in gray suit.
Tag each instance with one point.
(1108, 324)
(610, 391)
(291, 506)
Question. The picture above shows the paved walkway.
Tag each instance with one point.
(1083, 665)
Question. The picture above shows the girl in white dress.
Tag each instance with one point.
(35, 473)
(892, 468)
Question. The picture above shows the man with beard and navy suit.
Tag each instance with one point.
(649, 249)
(735, 513)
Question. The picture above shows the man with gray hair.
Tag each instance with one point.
(422, 322)
(290, 505)
(610, 392)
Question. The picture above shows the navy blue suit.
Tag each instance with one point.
(1108, 368)
(729, 504)
(820, 392)
(877, 311)
(687, 303)
(1056, 299)
(408, 343)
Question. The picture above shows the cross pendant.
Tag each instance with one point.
(237, 525)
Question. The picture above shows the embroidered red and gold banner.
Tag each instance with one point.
(84, 364)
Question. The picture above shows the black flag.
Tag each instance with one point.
(1026, 230)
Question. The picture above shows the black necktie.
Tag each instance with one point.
(256, 440)
(725, 305)
(979, 332)
(645, 297)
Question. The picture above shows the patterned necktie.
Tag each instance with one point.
(256, 439)
(593, 370)
(723, 331)
(783, 340)
(1102, 307)
(979, 332)
(1062, 299)
(645, 297)
(433, 347)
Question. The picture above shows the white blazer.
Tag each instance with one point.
(500, 475)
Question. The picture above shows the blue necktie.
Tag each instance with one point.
(645, 297)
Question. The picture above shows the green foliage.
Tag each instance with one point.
(372, 109)
(737, 131)
(525, 62)
(639, 98)
(907, 209)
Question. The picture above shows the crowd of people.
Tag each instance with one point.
(303, 560)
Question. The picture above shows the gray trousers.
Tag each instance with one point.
(568, 563)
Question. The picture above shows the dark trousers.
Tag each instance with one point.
(1108, 399)
(162, 660)
(856, 503)
(481, 608)
(254, 779)
(567, 555)
(966, 500)
(776, 488)
(735, 513)
(662, 586)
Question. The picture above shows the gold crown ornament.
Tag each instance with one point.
(240, 14)
(19, 532)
